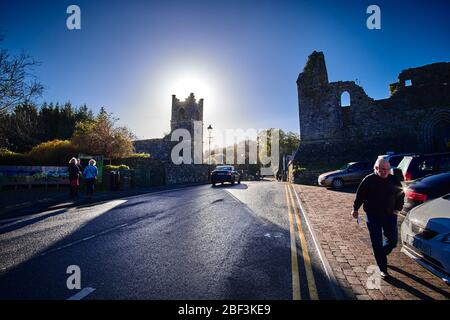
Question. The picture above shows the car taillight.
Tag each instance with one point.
(407, 176)
(416, 196)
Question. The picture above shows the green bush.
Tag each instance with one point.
(54, 153)
(118, 167)
(298, 170)
(10, 158)
(140, 155)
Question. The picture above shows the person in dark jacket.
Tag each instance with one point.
(382, 197)
(74, 177)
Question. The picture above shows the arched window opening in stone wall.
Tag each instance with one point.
(345, 99)
(181, 114)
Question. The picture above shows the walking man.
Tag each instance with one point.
(382, 197)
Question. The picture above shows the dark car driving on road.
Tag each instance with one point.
(224, 174)
(351, 173)
(425, 189)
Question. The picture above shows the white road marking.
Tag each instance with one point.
(83, 293)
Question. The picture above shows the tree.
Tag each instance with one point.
(20, 129)
(17, 83)
(101, 137)
(27, 126)
(289, 142)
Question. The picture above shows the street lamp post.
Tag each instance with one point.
(209, 147)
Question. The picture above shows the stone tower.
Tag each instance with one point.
(184, 113)
(188, 115)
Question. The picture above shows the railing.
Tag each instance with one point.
(33, 175)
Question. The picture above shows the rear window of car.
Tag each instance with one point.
(404, 164)
(395, 160)
(428, 164)
(224, 168)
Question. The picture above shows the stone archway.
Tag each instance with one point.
(436, 132)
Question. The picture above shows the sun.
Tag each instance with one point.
(183, 86)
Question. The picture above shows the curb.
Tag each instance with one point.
(328, 270)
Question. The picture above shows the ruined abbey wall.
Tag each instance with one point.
(415, 118)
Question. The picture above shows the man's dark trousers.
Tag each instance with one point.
(377, 225)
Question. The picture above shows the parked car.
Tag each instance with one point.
(426, 188)
(222, 174)
(395, 158)
(418, 166)
(351, 173)
(425, 235)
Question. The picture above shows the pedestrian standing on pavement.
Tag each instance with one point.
(90, 175)
(382, 197)
(74, 177)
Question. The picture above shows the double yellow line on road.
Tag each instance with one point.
(305, 253)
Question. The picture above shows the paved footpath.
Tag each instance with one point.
(347, 248)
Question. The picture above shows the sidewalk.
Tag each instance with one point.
(19, 203)
(347, 248)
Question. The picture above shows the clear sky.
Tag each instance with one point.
(242, 56)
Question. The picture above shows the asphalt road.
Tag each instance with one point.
(227, 242)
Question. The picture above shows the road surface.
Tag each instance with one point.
(246, 241)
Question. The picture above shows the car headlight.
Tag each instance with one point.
(446, 238)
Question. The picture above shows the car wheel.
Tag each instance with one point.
(239, 181)
(337, 183)
(213, 184)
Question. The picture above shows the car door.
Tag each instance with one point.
(354, 173)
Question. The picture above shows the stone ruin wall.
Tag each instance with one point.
(403, 122)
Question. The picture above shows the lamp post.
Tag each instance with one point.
(209, 147)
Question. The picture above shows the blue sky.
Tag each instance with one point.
(243, 57)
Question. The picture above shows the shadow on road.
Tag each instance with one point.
(28, 222)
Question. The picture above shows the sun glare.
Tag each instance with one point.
(184, 85)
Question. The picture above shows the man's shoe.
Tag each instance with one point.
(384, 275)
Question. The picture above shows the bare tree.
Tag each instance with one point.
(18, 85)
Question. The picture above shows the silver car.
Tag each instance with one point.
(351, 173)
(425, 234)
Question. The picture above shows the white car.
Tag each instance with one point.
(425, 236)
